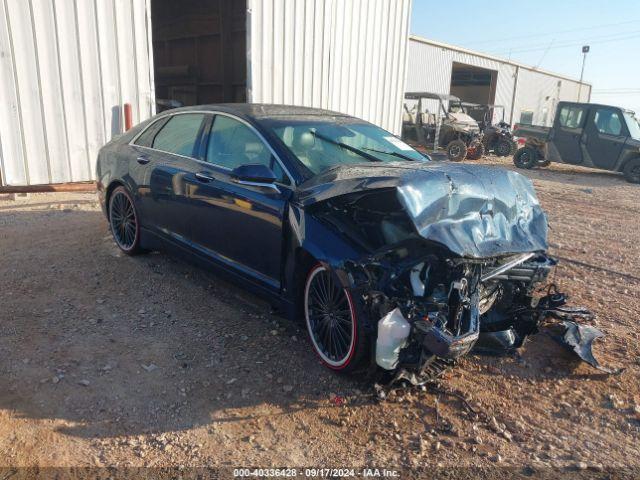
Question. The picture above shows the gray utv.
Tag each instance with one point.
(448, 128)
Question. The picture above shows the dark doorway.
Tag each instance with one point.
(199, 51)
(473, 84)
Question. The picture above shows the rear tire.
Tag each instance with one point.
(124, 222)
(331, 316)
(456, 150)
(526, 157)
(632, 170)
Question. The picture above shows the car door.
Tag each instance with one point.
(239, 224)
(171, 156)
(567, 133)
(605, 136)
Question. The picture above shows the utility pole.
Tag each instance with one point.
(585, 50)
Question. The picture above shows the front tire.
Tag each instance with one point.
(332, 323)
(526, 157)
(123, 221)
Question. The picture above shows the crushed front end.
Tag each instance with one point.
(451, 306)
(444, 258)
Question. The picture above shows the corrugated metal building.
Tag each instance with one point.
(67, 67)
(528, 95)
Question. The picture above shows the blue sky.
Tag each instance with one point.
(548, 34)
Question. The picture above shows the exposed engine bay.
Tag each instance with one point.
(457, 273)
(453, 306)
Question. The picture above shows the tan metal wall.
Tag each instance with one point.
(540, 93)
(66, 69)
(430, 66)
(343, 55)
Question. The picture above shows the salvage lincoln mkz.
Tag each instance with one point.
(388, 257)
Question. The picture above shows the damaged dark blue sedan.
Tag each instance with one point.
(389, 258)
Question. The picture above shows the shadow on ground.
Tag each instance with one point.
(116, 345)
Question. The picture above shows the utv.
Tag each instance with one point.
(495, 138)
(586, 134)
(451, 129)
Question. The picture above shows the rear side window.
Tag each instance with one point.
(608, 121)
(571, 117)
(146, 138)
(180, 134)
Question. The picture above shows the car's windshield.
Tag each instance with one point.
(632, 123)
(320, 145)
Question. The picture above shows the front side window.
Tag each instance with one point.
(180, 134)
(608, 121)
(321, 145)
(571, 117)
(232, 144)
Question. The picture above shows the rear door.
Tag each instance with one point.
(239, 224)
(171, 156)
(605, 136)
(567, 132)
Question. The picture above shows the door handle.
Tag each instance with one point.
(204, 177)
(142, 160)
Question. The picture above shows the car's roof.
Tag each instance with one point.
(262, 110)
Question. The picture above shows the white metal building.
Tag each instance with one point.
(67, 68)
(528, 95)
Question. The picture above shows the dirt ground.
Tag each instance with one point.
(108, 360)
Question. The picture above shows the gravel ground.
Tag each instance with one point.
(109, 360)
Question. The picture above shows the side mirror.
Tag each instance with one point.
(254, 173)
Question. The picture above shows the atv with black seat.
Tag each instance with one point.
(496, 138)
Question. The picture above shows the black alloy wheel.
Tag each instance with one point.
(124, 221)
(331, 319)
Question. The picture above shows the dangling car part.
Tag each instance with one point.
(388, 258)
(449, 127)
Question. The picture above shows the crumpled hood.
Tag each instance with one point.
(475, 211)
